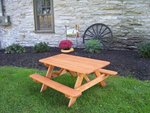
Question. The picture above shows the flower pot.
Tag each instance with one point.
(67, 51)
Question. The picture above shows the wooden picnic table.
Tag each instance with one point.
(79, 67)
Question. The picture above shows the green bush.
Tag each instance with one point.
(144, 50)
(41, 47)
(14, 48)
(93, 46)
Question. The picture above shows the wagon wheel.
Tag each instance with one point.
(99, 32)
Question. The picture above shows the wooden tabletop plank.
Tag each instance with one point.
(87, 61)
(75, 63)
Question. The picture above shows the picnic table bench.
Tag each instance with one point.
(79, 67)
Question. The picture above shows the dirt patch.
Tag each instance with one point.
(125, 62)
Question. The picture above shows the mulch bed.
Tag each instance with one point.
(125, 62)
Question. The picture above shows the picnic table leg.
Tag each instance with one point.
(79, 80)
(48, 75)
(77, 84)
(102, 83)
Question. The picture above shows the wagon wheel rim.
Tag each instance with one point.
(100, 32)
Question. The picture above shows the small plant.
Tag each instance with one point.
(41, 47)
(14, 48)
(65, 44)
(93, 46)
(144, 50)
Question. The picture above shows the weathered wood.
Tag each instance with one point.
(57, 86)
(91, 83)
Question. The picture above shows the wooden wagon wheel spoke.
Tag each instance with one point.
(97, 32)
(105, 34)
(91, 33)
(103, 31)
(94, 31)
(100, 30)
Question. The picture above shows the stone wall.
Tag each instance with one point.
(128, 19)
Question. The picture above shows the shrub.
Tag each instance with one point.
(14, 48)
(93, 46)
(65, 44)
(144, 50)
(41, 47)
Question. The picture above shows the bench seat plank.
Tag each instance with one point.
(57, 86)
(108, 72)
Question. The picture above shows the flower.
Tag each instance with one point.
(65, 44)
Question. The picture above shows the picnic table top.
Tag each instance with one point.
(75, 63)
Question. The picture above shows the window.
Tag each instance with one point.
(1, 8)
(44, 15)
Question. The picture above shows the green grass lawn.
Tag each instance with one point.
(19, 94)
